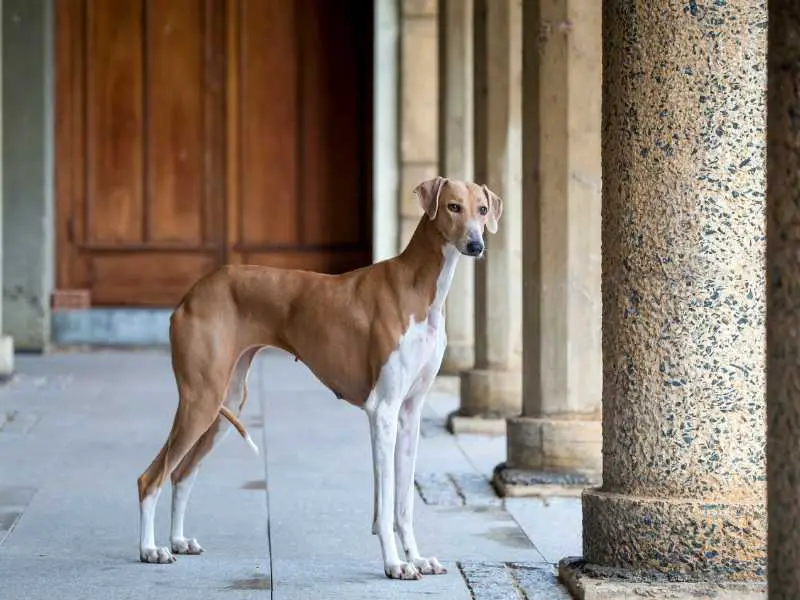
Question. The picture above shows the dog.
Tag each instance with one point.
(374, 336)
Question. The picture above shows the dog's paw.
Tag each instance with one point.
(429, 566)
(402, 570)
(161, 556)
(186, 546)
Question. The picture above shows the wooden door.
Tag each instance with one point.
(191, 133)
(300, 113)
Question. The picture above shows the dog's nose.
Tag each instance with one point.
(474, 248)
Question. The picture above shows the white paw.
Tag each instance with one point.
(161, 556)
(186, 546)
(402, 570)
(429, 566)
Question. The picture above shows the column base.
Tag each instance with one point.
(568, 445)
(458, 424)
(490, 393)
(510, 482)
(446, 384)
(675, 536)
(458, 357)
(549, 457)
(591, 582)
(6, 357)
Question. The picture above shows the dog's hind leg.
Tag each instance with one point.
(185, 473)
(201, 389)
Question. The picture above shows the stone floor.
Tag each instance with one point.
(76, 429)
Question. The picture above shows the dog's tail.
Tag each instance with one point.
(226, 412)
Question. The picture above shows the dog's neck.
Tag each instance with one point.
(433, 261)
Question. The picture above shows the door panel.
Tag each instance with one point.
(114, 122)
(302, 136)
(266, 209)
(191, 133)
(331, 92)
(175, 122)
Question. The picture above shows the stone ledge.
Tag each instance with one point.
(676, 536)
(516, 483)
(592, 582)
(458, 424)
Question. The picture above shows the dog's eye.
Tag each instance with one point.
(454, 208)
(483, 210)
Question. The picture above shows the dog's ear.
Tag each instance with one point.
(427, 193)
(495, 209)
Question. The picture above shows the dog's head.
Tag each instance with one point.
(460, 210)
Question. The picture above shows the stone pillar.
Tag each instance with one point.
(684, 150)
(418, 107)
(6, 341)
(783, 313)
(558, 438)
(492, 390)
(28, 229)
(456, 162)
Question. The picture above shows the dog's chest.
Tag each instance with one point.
(419, 353)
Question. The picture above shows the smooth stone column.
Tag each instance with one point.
(492, 390)
(783, 311)
(683, 234)
(28, 206)
(6, 341)
(556, 445)
(456, 162)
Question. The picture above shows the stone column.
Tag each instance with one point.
(783, 312)
(558, 438)
(456, 162)
(492, 390)
(6, 341)
(28, 229)
(684, 151)
(419, 87)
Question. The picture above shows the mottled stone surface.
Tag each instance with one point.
(512, 482)
(681, 535)
(683, 287)
(592, 582)
(783, 310)
(456, 489)
(512, 581)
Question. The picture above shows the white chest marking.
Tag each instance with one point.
(414, 363)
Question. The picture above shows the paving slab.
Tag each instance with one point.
(90, 422)
(321, 503)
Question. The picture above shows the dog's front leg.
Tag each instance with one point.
(405, 462)
(383, 416)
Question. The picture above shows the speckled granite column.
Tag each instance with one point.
(492, 390)
(783, 311)
(557, 440)
(684, 156)
(455, 161)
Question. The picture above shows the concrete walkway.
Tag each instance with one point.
(77, 429)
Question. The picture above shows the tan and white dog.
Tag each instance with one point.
(374, 336)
